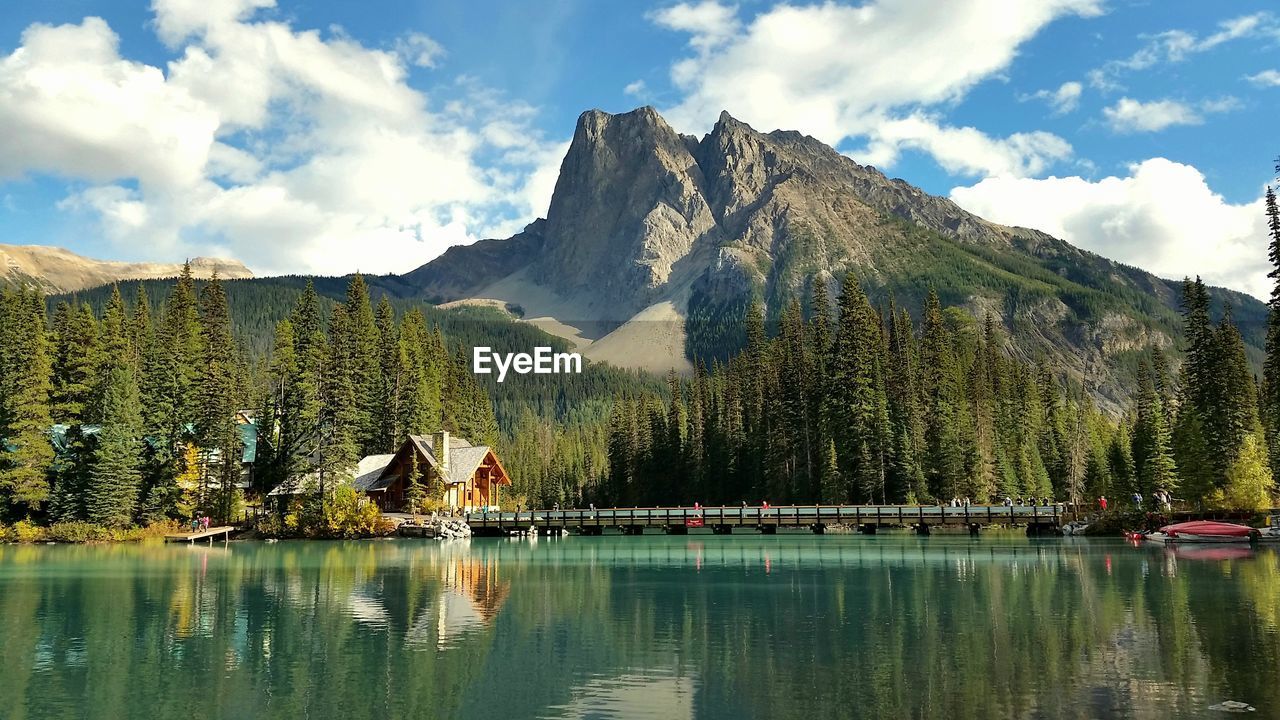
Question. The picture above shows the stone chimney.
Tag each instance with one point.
(440, 446)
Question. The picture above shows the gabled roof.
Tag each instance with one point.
(463, 463)
(299, 485)
(370, 470)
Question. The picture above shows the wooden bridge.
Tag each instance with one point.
(722, 520)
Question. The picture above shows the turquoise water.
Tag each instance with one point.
(664, 627)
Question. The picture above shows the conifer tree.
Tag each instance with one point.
(116, 337)
(861, 405)
(218, 400)
(115, 478)
(339, 446)
(1270, 401)
(364, 346)
(1153, 464)
(391, 378)
(905, 417)
(944, 454)
(420, 382)
(75, 361)
(25, 367)
(415, 494)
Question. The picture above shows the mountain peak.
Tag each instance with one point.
(647, 224)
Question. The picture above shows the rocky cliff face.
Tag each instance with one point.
(56, 270)
(629, 205)
(654, 242)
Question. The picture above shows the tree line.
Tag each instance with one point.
(859, 405)
(143, 407)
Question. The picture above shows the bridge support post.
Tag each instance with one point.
(922, 529)
(819, 529)
(722, 529)
(1042, 530)
(768, 529)
(868, 529)
(973, 529)
(632, 529)
(677, 530)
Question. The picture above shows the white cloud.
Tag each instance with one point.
(71, 106)
(1163, 217)
(1134, 116)
(1174, 46)
(635, 89)
(1266, 78)
(965, 150)
(1063, 100)
(840, 72)
(290, 150)
(709, 22)
(420, 50)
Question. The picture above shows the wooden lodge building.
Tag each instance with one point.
(471, 474)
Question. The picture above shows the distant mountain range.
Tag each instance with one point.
(655, 242)
(55, 270)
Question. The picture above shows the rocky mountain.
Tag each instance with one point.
(56, 270)
(655, 241)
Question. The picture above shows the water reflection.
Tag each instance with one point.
(706, 626)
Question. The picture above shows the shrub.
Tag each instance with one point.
(25, 531)
(79, 532)
(347, 515)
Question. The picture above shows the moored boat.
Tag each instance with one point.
(1205, 531)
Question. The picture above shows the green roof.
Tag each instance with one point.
(248, 439)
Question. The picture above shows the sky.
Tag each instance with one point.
(322, 136)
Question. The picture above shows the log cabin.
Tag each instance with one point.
(470, 475)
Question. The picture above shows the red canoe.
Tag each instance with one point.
(1207, 531)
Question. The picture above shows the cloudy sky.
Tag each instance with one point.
(327, 136)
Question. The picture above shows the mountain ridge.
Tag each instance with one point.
(58, 270)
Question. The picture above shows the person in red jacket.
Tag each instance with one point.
(1102, 503)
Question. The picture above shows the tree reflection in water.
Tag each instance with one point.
(699, 626)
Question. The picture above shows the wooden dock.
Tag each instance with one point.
(722, 520)
(210, 534)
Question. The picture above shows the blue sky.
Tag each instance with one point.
(325, 136)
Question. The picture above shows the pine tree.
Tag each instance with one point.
(217, 397)
(75, 363)
(1120, 459)
(1153, 464)
(1270, 401)
(365, 368)
(415, 494)
(944, 454)
(819, 360)
(391, 378)
(861, 405)
(115, 478)
(833, 486)
(116, 336)
(339, 451)
(25, 369)
(902, 387)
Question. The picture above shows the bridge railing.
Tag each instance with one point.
(778, 515)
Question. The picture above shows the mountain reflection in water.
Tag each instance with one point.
(672, 627)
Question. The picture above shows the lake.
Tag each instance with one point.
(742, 626)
